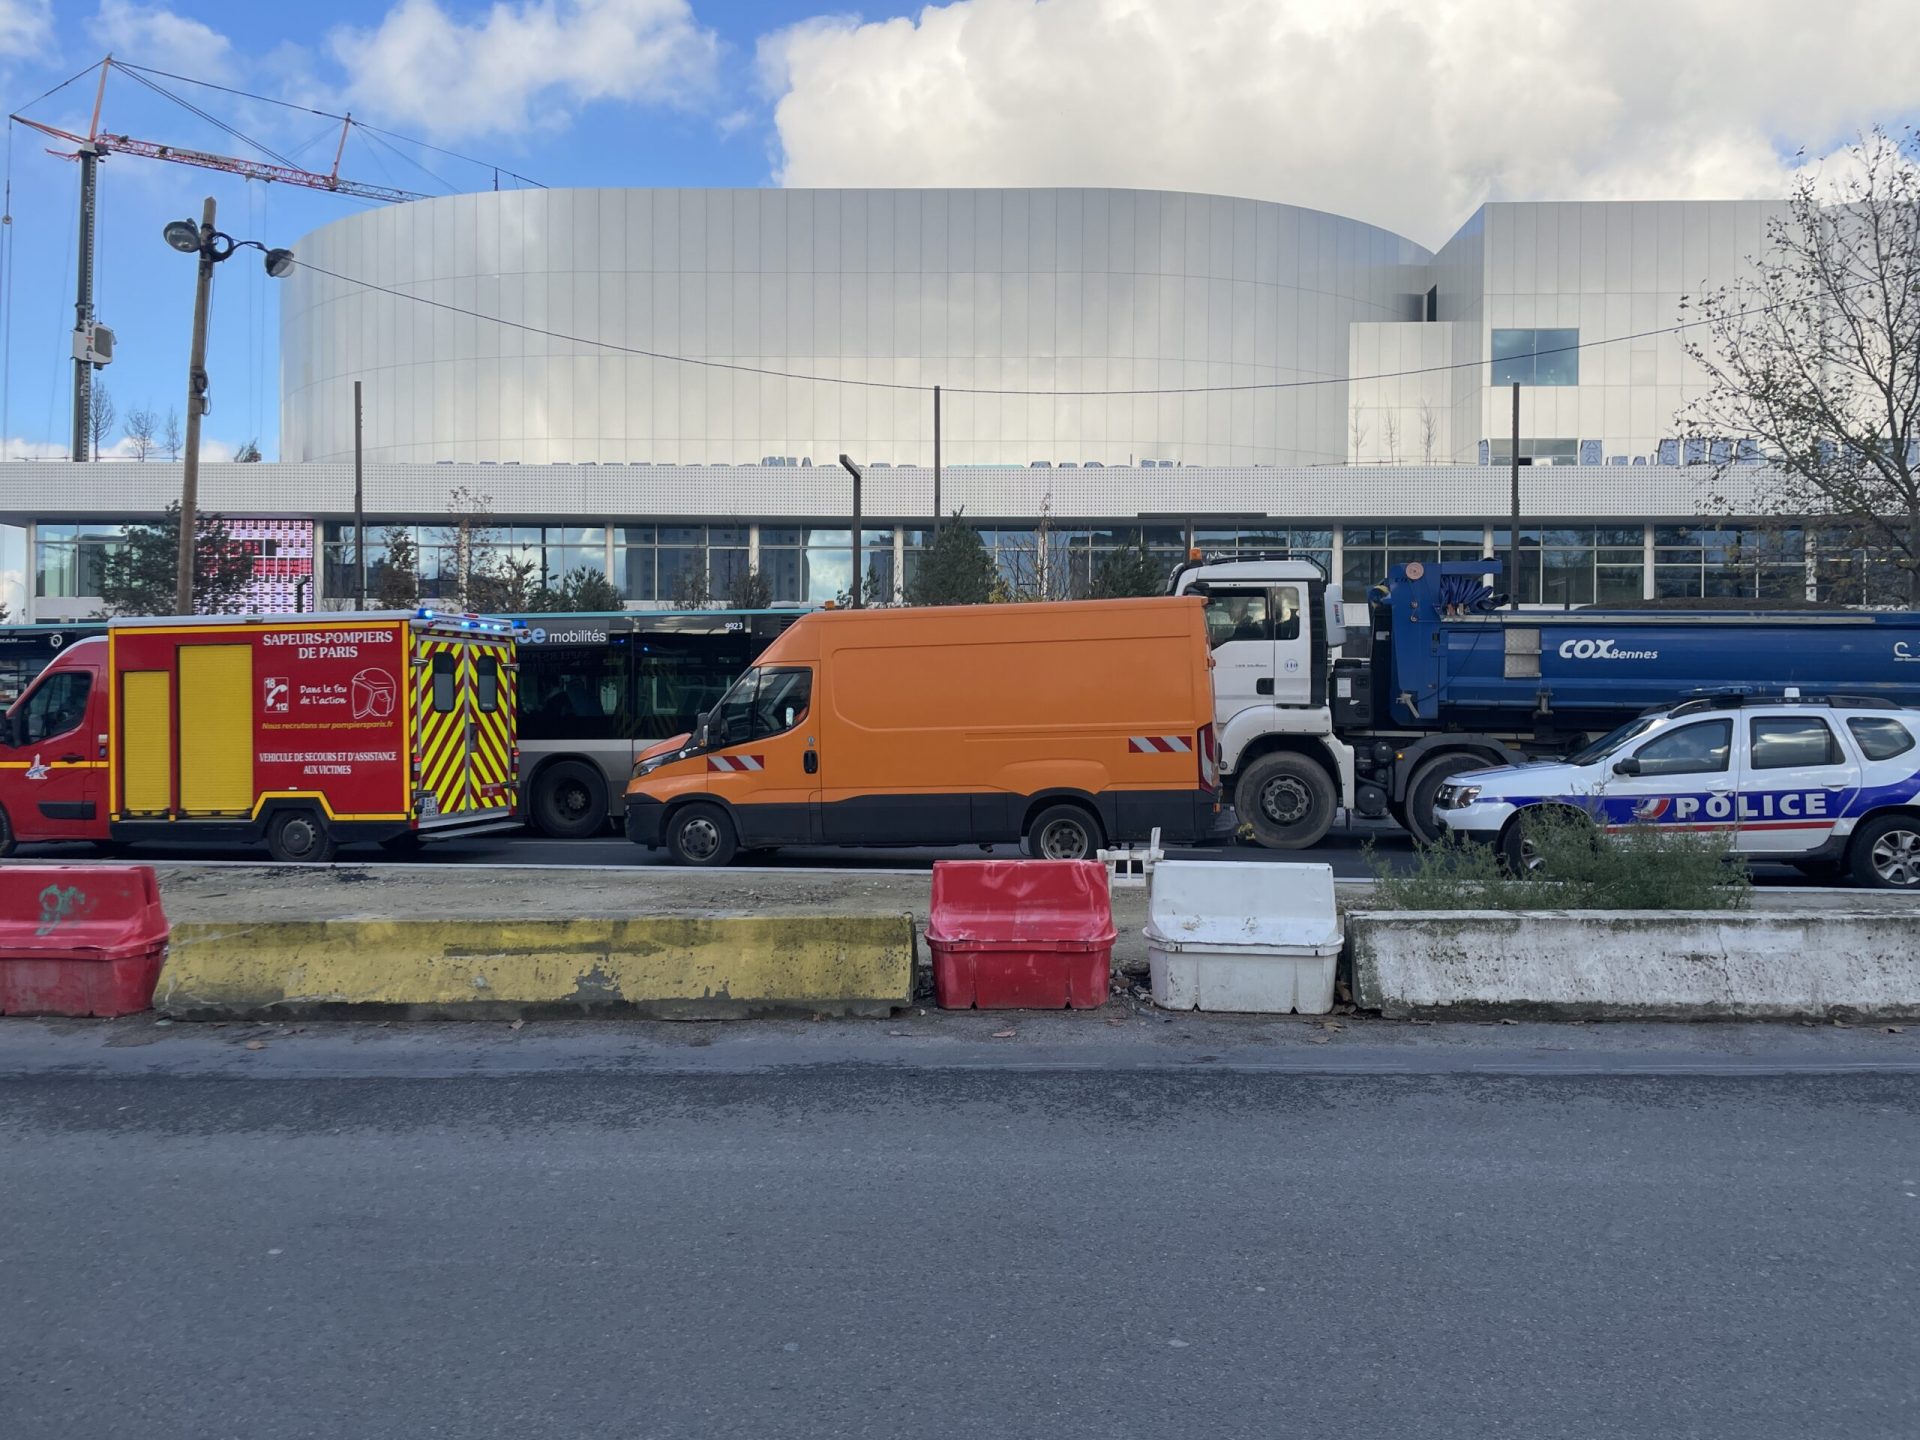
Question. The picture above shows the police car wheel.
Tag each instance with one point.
(1886, 853)
(1517, 851)
(701, 835)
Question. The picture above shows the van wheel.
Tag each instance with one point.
(300, 837)
(1287, 799)
(1886, 853)
(701, 835)
(6, 833)
(1421, 822)
(1063, 832)
(570, 800)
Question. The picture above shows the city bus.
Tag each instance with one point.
(596, 690)
(26, 650)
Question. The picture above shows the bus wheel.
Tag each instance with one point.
(6, 833)
(570, 800)
(1287, 799)
(701, 835)
(300, 837)
(1063, 832)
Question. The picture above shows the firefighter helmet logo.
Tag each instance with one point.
(374, 692)
(38, 770)
(274, 697)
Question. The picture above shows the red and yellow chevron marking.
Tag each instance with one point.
(465, 753)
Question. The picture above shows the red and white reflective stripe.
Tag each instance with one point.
(1159, 745)
(732, 763)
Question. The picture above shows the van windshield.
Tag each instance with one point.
(1612, 741)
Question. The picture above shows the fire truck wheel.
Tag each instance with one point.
(701, 835)
(6, 833)
(300, 837)
(570, 800)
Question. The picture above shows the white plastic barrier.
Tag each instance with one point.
(1130, 867)
(1243, 935)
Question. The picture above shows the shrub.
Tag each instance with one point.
(1578, 867)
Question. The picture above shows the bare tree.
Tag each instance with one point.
(100, 418)
(1356, 432)
(1429, 432)
(1816, 357)
(1390, 430)
(139, 431)
(170, 438)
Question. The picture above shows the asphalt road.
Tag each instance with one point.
(1344, 850)
(855, 1250)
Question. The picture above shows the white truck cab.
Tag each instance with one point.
(1274, 624)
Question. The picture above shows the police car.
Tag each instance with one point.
(1831, 786)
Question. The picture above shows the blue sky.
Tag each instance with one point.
(721, 136)
(1407, 115)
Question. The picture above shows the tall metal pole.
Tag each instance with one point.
(1513, 557)
(359, 512)
(196, 403)
(936, 460)
(83, 307)
(83, 290)
(853, 595)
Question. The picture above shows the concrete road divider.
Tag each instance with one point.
(667, 967)
(1642, 964)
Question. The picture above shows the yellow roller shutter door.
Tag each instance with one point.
(216, 729)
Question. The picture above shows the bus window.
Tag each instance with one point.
(574, 692)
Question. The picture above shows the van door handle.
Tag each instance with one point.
(1263, 686)
(811, 762)
(76, 759)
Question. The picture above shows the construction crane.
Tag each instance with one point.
(93, 342)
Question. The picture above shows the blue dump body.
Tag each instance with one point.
(1469, 669)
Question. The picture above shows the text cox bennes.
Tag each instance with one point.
(302, 732)
(1064, 725)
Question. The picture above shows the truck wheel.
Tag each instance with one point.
(570, 800)
(6, 834)
(1886, 853)
(1287, 799)
(701, 835)
(1421, 822)
(300, 837)
(1063, 832)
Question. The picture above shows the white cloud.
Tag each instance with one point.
(25, 28)
(1406, 114)
(154, 36)
(523, 64)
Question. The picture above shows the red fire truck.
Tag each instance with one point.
(300, 732)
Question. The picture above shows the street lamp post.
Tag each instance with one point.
(211, 246)
(854, 470)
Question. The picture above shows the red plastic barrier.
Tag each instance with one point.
(1020, 934)
(79, 939)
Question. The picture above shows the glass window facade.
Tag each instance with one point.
(1369, 551)
(1576, 565)
(68, 559)
(1751, 562)
(1536, 357)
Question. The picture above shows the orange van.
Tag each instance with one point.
(1065, 725)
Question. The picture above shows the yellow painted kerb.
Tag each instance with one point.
(695, 965)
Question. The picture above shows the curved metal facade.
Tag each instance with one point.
(1051, 290)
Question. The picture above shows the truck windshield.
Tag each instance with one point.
(1611, 741)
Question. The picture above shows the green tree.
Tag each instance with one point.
(1132, 571)
(691, 591)
(585, 590)
(140, 574)
(1815, 356)
(750, 590)
(499, 584)
(395, 582)
(955, 570)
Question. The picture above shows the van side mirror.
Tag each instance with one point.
(1627, 766)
